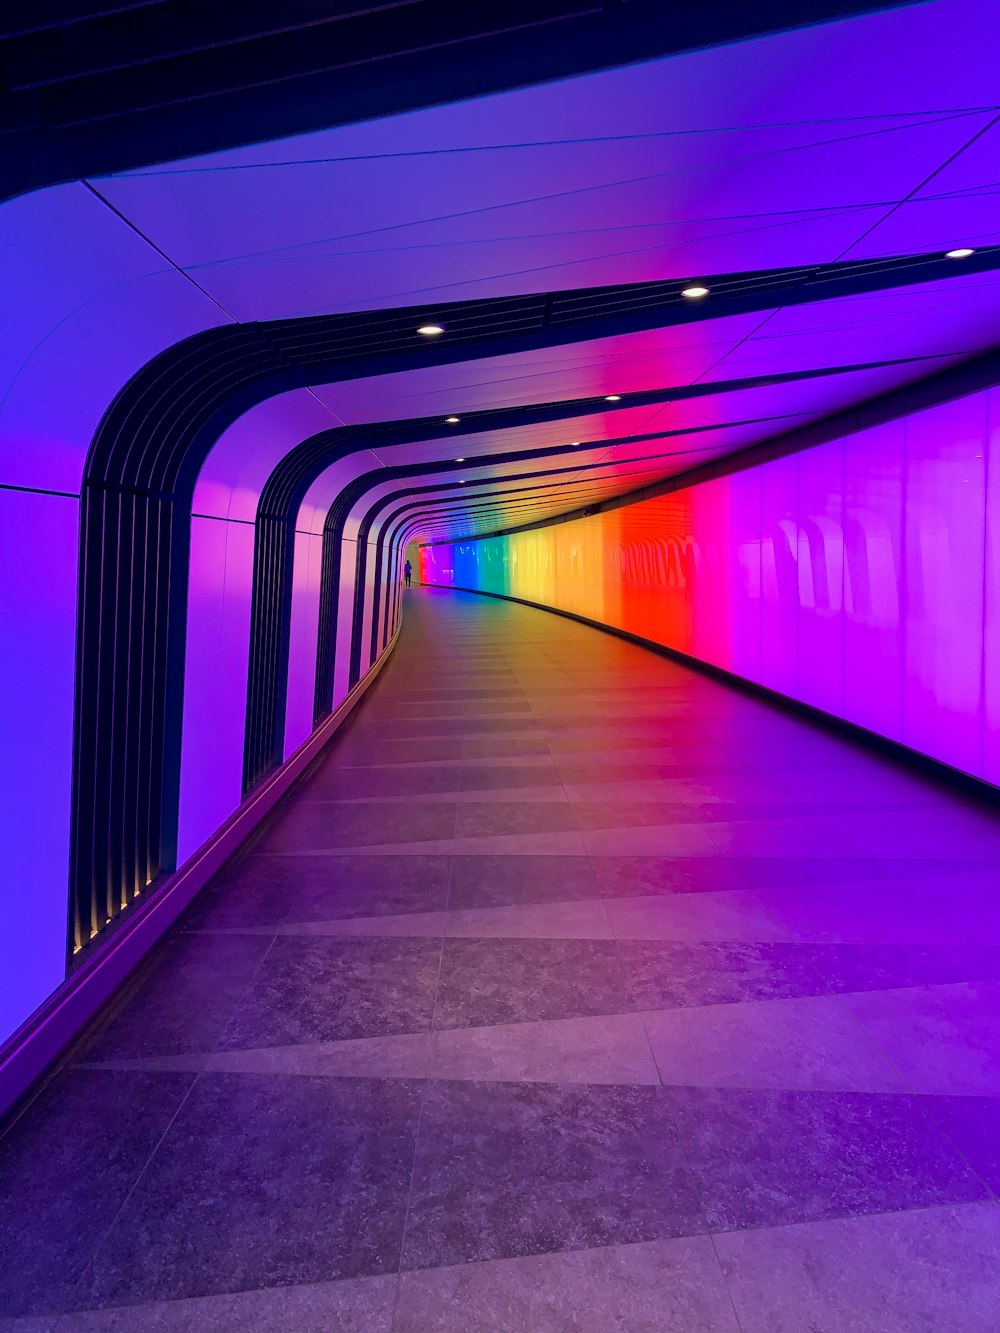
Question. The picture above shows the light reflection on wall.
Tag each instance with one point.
(861, 576)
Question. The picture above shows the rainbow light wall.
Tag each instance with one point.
(861, 576)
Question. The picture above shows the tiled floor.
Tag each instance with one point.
(575, 992)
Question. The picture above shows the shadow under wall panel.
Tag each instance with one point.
(215, 678)
(943, 589)
(39, 547)
(302, 641)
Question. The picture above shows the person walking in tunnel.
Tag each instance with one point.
(407, 572)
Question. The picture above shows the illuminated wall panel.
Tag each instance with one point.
(873, 578)
(215, 677)
(861, 576)
(38, 550)
(300, 701)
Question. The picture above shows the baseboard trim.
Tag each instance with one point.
(936, 768)
(33, 1050)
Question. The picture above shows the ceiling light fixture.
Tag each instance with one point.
(612, 397)
(459, 460)
(430, 330)
(452, 421)
(695, 292)
(962, 252)
(574, 444)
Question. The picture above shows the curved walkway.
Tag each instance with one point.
(575, 991)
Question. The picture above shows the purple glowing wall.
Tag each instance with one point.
(861, 576)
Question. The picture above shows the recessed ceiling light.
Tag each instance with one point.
(612, 397)
(461, 481)
(574, 444)
(695, 291)
(459, 460)
(430, 330)
(452, 421)
(962, 252)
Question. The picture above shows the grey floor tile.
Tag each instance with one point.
(264, 1181)
(311, 989)
(767, 872)
(487, 820)
(66, 1167)
(487, 981)
(352, 1305)
(931, 1269)
(183, 999)
(811, 1042)
(666, 974)
(973, 1125)
(764, 1158)
(348, 885)
(322, 826)
(643, 876)
(942, 1039)
(861, 967)
(642, 1288)
(357, 784)
(515, 1169)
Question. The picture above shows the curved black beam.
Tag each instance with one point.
(108, 86)
(136, 507)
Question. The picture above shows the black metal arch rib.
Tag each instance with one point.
(136, 504)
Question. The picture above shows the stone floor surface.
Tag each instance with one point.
(575, 991)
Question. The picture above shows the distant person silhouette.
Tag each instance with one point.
(407, 572)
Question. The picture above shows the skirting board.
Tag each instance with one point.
(33, 1048)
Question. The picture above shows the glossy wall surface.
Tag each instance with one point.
(861, 576)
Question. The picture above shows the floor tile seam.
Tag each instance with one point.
(727, 1286)
(251, 980)
(842, 998)
(924, 1099)
(73, 1305)
(723, 1231)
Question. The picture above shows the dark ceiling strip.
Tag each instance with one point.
(123, 86)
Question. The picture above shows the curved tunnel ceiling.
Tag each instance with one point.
(214, 318)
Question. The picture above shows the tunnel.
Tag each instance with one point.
(500, 667)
